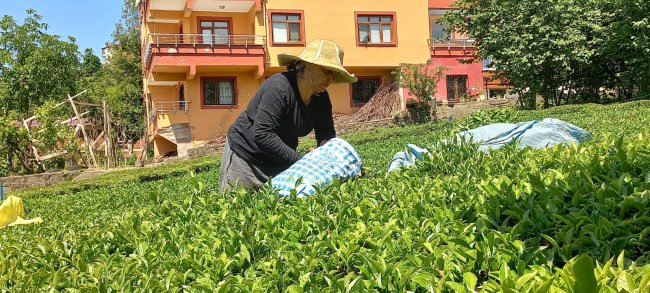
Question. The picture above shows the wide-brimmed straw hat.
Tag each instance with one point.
(323, 53)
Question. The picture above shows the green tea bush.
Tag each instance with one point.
(571, 218)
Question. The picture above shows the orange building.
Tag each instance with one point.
(204, 59)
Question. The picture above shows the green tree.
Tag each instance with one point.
(564, 50)
(421, 80)
(628, 45)
(119, 81)
(90, 63)
(29, 59)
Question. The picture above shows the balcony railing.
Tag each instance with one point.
(172, 107)
(158, 39)
(451, 43)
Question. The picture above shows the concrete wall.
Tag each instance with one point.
(339, 25)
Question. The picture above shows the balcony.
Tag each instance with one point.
(190, 50)
(461, 47)
(188, 6)
(451, 43)
(172, 107)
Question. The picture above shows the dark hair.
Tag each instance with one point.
(297, 66)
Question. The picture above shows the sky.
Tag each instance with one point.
(91, 22)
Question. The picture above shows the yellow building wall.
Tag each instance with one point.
(338, 24)
(205, 123)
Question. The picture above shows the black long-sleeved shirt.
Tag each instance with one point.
(266, 133)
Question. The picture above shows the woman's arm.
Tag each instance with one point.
(324, 125)
(267, 124)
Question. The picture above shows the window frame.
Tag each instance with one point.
(232, 79)
(375, 77)
(432, 20)
(199, 28)
(300, 13)
(455, 78)
(393, 27)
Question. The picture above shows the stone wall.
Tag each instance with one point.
(44, 179)
(203, 151)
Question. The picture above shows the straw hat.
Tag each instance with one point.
(323, 53)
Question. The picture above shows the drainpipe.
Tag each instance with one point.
(266, 32)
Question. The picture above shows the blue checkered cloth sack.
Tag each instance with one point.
(336, 159)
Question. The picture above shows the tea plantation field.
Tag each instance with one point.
(565, 219)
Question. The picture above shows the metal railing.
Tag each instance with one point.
(451, 43)
(147, 54)
(172, 107)
(158, 39)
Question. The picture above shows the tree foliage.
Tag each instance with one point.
(90, 63)
(29, 59)
(119, 81)
(37, 70)
(564, 50)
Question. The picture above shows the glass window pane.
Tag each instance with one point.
(363, 19)
(363, 33)
(374, 34)
(221, 32)
(210, 94)
(437, 30)
(206, 36)
(280, 32)
(221, 36)
(437, 12)
(294, 32)
(206, 24)
(363, 90)
(374, 19)
(462, 85)
(385, 30)
(226, 93)
(278, 17)
(294, 17)
(451, 91)
(386, 18)
(221, 24)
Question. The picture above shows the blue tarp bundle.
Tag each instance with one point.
(337, 159)
(535, 134)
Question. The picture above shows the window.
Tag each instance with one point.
(181, 98)
(215, 31)
(495, 94)
(364, 89)
(487, 64)
(437, 29)
(287, 27)
(376, 29)
(456, 87)
(218, 91)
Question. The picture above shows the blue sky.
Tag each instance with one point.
(91, 22)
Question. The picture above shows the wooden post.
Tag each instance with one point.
(109, 139)
(31, 141)
(83, 131)
(107, 161)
